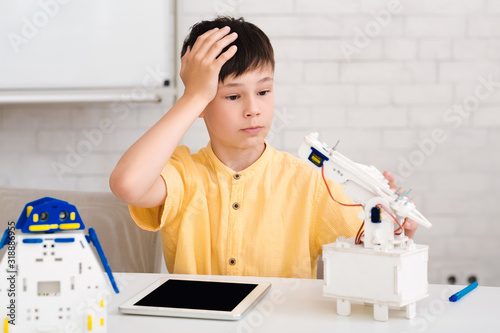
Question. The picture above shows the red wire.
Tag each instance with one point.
(331, 196)
(360, 233)
(389, 213)
(400, 229)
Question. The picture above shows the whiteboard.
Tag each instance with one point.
(75, 44)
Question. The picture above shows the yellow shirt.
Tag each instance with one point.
(270, 219)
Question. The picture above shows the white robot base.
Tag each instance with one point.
(384, 278)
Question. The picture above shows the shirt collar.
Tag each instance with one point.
(253, 168)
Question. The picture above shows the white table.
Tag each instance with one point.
(297, 305)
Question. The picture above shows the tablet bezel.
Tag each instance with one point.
(236, 314)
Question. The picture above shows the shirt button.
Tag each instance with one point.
(237, 176)
(232, 261)
(236, 206)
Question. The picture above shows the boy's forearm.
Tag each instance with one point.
(136, 178)
(139, 169)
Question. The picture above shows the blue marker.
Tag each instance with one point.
(463, 292)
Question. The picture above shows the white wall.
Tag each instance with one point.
(409, 78)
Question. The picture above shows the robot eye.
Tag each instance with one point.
(44, 216)
(63, 215)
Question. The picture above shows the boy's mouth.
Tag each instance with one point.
(252, 130)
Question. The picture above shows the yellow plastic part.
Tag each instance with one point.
(6, 325)
(102, 321)
(42, 227)
(28, 211)
(316, 159)
(35, 217)
(72, 216)
(54, 226)
(89, 322)
(102, 303)
(69, 226)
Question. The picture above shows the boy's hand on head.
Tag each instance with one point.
(410, 226)
(201, 64)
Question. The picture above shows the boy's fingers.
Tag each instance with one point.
(388, 175)
(392, 180)
(185, 56)
(202, 39)
(218, 46)
(217, 39)
(410, 228)
(230, 52)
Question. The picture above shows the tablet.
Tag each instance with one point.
(196, 298)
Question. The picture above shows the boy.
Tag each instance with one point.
(237, 207)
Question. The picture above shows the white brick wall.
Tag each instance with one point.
(434, 49)
(383, 103)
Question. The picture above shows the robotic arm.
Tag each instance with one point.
(367, 186)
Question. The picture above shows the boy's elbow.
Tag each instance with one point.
(122, 187)
(131, 189)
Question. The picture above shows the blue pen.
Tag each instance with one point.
(463, 292)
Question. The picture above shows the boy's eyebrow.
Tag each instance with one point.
(265, 79)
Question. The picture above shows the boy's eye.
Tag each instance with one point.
(232, 97)
(263, 92)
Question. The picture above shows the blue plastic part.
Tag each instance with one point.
(32, 240)
(93, 238)
(52, 209)
(22, 221)
(455, 297)
(376, 218)
(317, 157)
(5, 238)
(64, 240)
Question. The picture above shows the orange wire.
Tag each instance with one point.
(388, 212)
(360, 233)
(331, 196)
(400, 229)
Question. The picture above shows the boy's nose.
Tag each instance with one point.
(251, 108)
(252, 113)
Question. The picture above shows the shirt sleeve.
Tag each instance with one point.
(176, 177)
(333, 219)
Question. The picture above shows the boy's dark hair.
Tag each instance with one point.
(254, 48)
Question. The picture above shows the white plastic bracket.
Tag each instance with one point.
(380, 312)
(411, 310)
(343, 307)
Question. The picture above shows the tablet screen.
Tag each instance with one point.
(199, 295)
